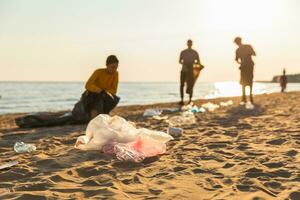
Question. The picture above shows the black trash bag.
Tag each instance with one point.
(102, 102)
(45, 119)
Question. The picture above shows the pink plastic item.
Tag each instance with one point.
(140, 149)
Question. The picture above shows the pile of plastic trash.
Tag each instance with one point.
(21, 147)
(227, 103)
(184, 118)
(155, 112)
(210, 106)
(152, 112)
(115, 135)
(249, 106)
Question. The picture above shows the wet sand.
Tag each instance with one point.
(231, 153)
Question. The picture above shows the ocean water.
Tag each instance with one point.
(54, 96)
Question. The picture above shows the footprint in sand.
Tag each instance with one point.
(178, 169)
(243, 126)
(273, 164)
(274, 185)
(211, 185)
(281, 173)
(294, 196)
(255, 172)
(33, 187)
(228, 165)
(292, 153)
(217, 145)
(155, 192)
(277, 142)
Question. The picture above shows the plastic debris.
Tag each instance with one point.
(187, 107)
(184, 118)
(140, 149)
(210, 106)
(175, 132)
(152, 112)
(109, 148)
(249, 106)
(242, 103)
(21, 147)
(160, 118)
(127, 153)
(227, 103)
(171, 109)
(195, 109)
(104, 129)
(9, 164)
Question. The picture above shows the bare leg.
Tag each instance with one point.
(251, 96)
(244, 93)
(191, 96)
(182, 81)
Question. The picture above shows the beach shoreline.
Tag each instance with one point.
(231, 153)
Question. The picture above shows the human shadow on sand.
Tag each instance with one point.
(234, 114)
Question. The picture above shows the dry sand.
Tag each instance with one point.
(232, 153)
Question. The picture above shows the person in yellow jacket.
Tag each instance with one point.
(100, 95)
(105, 79)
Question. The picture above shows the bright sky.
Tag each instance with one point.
(66, 40)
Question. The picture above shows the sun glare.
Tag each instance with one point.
(231, 88)
(240, 16)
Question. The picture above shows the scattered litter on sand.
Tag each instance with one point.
(227, 103)
(184, 118)
(104, 130)
(249, 106)
(210, 106)
(136, 151)
(21, 147)
(152, 112)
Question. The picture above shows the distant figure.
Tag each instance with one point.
(243, 56)
(100, 95)
(188, 58)
(283, 81)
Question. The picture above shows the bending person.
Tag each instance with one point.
(100, 95)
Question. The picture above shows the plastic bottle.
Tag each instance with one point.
(21, 147)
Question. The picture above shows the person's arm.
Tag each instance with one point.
(180, 59)
(90, 84)
(114, 85)
(253, 52)
(198, 58)
(237, 59)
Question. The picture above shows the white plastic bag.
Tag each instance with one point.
(249, 106)
(210, 106)
(185, 118)
(104, 129)
(227, 103)
(152, 112)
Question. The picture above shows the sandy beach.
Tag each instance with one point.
(231, 153)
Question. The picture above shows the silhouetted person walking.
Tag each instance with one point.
(243, 56)
(283, 81)
(188, 58)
